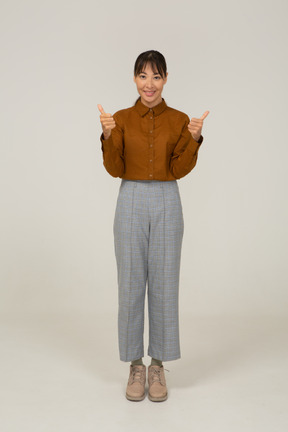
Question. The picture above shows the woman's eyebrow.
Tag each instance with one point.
(155, 73)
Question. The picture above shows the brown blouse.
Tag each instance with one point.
(150, 144)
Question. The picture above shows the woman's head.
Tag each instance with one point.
(156, 61)
(150, 75)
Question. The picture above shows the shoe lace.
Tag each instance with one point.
(137, 374)
(156, 375)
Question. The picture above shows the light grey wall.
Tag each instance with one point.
(59, 59)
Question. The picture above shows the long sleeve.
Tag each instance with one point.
(113, 150)
(185, 153)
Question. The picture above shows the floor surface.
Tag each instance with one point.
(63, 373)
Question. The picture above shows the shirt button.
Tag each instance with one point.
(150, 175)
(150, 160)
(151, 145)
(151, 118)
(151, 131)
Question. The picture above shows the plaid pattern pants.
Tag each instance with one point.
(148, 231)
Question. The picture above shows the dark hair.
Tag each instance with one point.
(155, 59)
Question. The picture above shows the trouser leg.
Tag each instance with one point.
(131, 227)
(165, 241)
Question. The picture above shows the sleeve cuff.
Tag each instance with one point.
(200, 140)
(106, 143)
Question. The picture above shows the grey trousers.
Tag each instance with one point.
(148, 231)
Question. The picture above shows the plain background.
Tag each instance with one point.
(59, 59)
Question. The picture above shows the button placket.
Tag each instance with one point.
(151, 142)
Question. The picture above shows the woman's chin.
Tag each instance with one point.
(147, 100)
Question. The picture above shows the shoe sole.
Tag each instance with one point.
(157, 399)
(135, 399)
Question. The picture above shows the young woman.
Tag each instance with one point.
(149, 146)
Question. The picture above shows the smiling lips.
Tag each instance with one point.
(149, 93)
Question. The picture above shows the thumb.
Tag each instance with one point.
(205, 115)
(101, 109)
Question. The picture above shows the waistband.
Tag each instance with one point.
(150, 183)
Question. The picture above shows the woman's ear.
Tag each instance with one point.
(165, 79)
(134, 78)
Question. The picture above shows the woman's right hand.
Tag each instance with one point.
(107, 122)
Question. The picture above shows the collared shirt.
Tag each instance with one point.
(150, 144)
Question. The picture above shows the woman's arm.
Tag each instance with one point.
(185, 153)
(113, 150)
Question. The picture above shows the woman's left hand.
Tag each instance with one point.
(195, 126)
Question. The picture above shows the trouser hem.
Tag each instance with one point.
(162, 358)
(130, 359)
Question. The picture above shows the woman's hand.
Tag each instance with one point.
(195, 126)
(107, 122)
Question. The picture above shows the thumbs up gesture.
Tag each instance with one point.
(195, 126)
(107, 122)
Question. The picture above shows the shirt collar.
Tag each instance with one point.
(143, 109)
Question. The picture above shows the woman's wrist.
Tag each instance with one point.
(107, 135)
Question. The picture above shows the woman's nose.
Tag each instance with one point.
(149, 83)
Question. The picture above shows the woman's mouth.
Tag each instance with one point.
(151, 93)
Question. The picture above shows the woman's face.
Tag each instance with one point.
(150, 86)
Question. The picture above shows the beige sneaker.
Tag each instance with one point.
(136, 383)
(157, 384)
